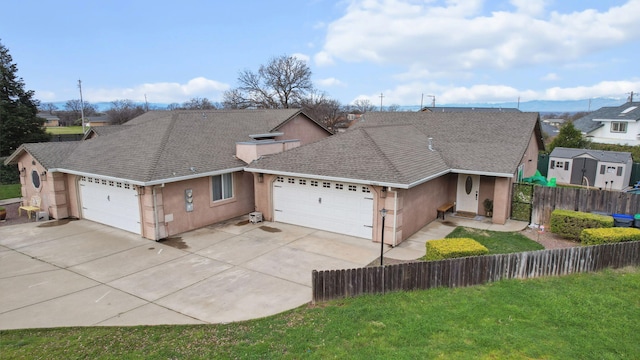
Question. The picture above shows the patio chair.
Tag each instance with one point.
(34, 205)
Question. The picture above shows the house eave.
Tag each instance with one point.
(484, 173)
(152, 182)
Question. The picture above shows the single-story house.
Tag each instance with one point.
(610, 170)
(51, 120)
(406, 163)
(162, 173)
(612, 124)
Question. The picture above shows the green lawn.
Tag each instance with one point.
(57, 130)
(10, 191)
(497, 242)
(581, 316)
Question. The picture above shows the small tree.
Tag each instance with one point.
(569, 137)
(18, 110)
(122, 111)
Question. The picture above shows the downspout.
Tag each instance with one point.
(395, 215)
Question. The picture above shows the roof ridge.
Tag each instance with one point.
(163, 143)
(381, 153)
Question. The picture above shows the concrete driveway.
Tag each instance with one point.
(81, 273)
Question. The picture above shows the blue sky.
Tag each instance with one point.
(458, 51)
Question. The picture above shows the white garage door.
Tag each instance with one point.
(111, 203)
(332, 206)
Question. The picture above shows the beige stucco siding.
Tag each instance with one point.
(205, 212)
(301, 128)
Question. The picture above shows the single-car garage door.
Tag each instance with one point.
(332, 206)
(111, 203)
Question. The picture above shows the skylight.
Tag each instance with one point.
(629, 109)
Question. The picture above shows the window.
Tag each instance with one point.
(618, 127)
(314, 183)
(326, 185)
(222, 186)
(280, 179)
(35, 179)
(553, 164)
(559, 164)
(291, 180)
(339, 186)
(566, 165)
(619, 173)
(352, 188)
(302, 182)
(366, 190)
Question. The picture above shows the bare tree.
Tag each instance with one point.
(198, 104)
(122, 111)
(48, 107)
(173, 106)
(71, 113)
(393, 107)
(234, 99)
(323, 109)
(363, 105)
(283, 83)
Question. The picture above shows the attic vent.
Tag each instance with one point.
(431, 144)
(628, 110)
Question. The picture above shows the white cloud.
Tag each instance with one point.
(416, 92)
(301, 57)
(459, 37)
(163, 92)
(550, 77)
(330, 82)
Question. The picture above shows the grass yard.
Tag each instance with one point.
(497, 242)
(10, 191)
(59, 130)
(581, 316)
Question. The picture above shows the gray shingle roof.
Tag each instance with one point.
(393, 147)
(164, 145)
(49, 155)
(607, 156)
(586, 124)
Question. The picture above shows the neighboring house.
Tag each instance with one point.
(612, 124)
(408, 163)
(51, 120)
(162, 173)
(610, 170)
(97, 120)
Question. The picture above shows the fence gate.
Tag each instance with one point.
(522, 202)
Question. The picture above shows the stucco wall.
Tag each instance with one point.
(46, 190)
(205, 211)
(419, 204)
(486, 191)
(303, 129)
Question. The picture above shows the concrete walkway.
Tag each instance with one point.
(80, 273)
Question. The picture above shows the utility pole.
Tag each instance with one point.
(630, 96)
(81, 104)
(433, 100)
(381, 96)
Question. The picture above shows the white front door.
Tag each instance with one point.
(111, 203)
(467, 197)
(326, 205)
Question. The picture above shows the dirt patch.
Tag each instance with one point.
(270, 229)
(548, 239)
(175, 242)
(241, 223)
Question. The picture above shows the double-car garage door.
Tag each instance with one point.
(111, 203)
(332, 206)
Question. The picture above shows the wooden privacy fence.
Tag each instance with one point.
(336, 284)
(547, 199)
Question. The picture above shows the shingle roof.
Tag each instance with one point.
(607, 156)
(50, 155)
(586, 124)
(164, 145)
(394, 147)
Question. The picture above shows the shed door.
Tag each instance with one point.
(326, 205)
(111, 203)
(584, 168)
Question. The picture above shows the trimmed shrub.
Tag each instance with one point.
(609, 235)
(569, 224)
(453, 248)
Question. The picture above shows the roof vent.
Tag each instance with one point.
(431, 144)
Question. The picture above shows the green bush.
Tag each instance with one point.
(569, 224)
(453, 248)
(609, 235)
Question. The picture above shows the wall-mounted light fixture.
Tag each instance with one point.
(383, 193)
(23, 171)
(260, 177)
(43, 175)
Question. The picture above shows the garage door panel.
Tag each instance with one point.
(110, 203)
(336, 207)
